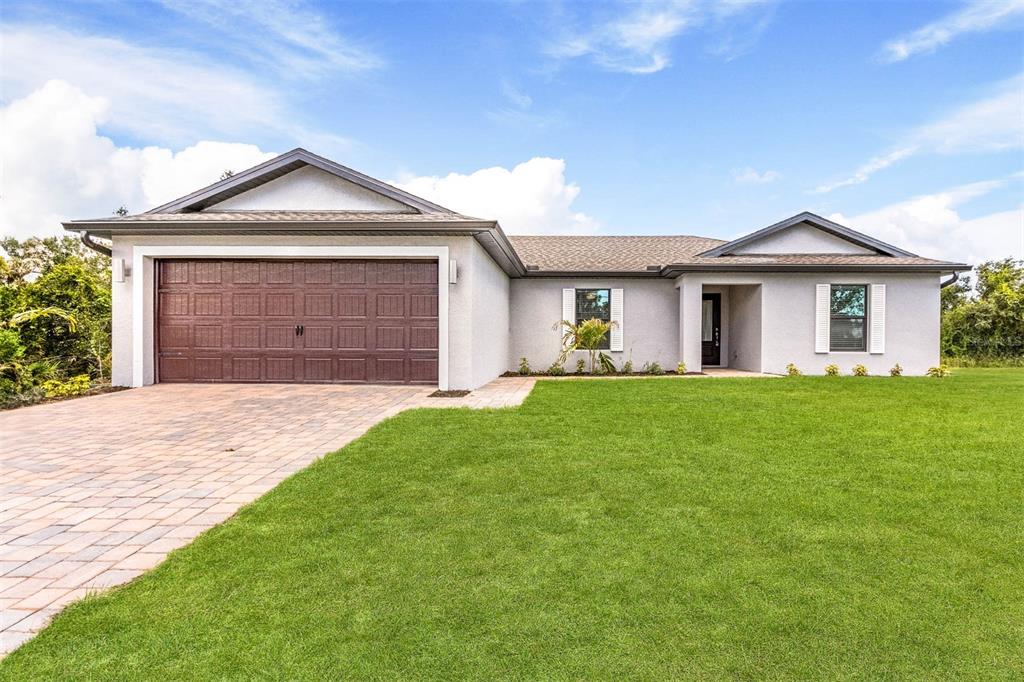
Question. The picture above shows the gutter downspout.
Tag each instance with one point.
(95, 246)
(951, 280)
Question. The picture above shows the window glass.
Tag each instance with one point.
(848, 322)
(595, 304)
(708, 321)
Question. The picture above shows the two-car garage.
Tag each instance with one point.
(297, 321)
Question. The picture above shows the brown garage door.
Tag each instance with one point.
(297, 321)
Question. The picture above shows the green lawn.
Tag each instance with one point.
(745, 528)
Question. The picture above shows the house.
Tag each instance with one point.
(303, 270)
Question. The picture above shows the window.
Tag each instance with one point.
(848, 317)
(595, 304)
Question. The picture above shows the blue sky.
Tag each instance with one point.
(905, 119)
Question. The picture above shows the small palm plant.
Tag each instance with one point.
(586, 336)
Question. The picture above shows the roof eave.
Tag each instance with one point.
(213, 193)
(823, 224)
(682, 268)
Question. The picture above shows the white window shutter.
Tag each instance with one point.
(568, 309)
(616, 314)
(877, 319)
(821, 318)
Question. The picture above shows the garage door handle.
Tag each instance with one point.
(300, 330)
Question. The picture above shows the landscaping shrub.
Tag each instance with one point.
(556, 369)
(939, 372)
(681, 368)
(793, 371)
(627, 367)
(832, 370)
(581, 366)
(524, 366)
(652, 368)
(860, 371)
(65, 388)
(896, 370)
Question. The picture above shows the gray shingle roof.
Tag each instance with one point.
(640, 254)
(286, 217)
(611, 254)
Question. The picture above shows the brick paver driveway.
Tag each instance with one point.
(95, 491)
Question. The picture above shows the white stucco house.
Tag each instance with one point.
(303, 270)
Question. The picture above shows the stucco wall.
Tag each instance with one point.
(745, 327)
(490, 316)
(473, 343)
(802, 238)
(787, 320)
(309, 189)
(650, 320)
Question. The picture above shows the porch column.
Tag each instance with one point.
(691, 288)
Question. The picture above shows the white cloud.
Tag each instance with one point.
(57, 166)
(513, 94)
(868, 169)
(750, 176)
(992, 124)
(974, 17)
(532, 198)
(638, 41)
(932, 226)
(287, 36)
(162, 95)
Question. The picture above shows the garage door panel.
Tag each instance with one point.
(358, 321)
(208, 336)
(245, 304)
(318, 338)
(245, 337)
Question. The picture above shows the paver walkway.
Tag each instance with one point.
(97, 490)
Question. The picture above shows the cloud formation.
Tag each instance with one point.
(931, 224)
(750, 176)
(992, 124)
(67, 170)
(531, 198)
(974, 17)
(637, 40)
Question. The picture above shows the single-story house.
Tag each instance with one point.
(303, 270)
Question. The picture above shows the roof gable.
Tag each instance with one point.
(310, 189)
(231, 189)
(806, 233)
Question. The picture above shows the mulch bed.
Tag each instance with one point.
(448, 394)
(96, 390)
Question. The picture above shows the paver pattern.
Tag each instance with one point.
(95, 491)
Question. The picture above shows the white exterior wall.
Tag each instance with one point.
(802, 238)
(745, 327)
(787, 320)
(309, 189)
(477, 347)
(650, 320)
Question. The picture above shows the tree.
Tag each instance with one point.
(586, 336)
(988, 322)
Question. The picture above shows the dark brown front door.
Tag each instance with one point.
(711, 329)
(312, 321)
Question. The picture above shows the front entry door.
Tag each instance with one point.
(711, 329)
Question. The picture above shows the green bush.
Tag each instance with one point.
(681, 368)
(556, 369)
(627, 367)
(793, 371)
(896, 370)
(860, 371)
(524, 366)
(939, 372)
(652, 368)
(581, 365)
(832, 370)
(985, 322)
(65, 388)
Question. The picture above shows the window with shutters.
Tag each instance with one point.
(595, 304)
(848, 317)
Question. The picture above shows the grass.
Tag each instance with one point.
(744, 528)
